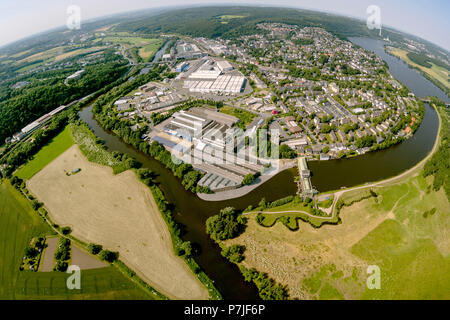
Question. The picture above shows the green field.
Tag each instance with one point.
(104, 283)
(411, 249)
(18, 224)
(148, 51)
(128, 40)
(245, 117)
(47, 154)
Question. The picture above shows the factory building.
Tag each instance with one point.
(183, 66)
(224, 66)
(224, 84)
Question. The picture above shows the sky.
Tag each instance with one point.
(427, 19)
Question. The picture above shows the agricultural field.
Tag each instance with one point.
(101, 283)
(126, 39)
(77, 52)
(438, 73)
(52, 55)
(404, 230)
(118, 212)
(148, 51)
(47, 154)
(18, 224)
(224, 19)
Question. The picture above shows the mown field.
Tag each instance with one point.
(47, 154)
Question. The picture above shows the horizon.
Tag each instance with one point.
(174, 5)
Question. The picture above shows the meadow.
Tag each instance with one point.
(47, 154)
(438, 73)
(244, 116)
(18, 224)
(403, 230)
(148, 51)
(102, 283)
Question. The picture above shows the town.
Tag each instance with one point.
(326, 98)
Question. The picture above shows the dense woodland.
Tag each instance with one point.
(47, 91)
(207, 22)
(439, 165)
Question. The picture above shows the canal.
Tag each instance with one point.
(192, 212)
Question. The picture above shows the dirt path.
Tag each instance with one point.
(49, 253)
(84, 260)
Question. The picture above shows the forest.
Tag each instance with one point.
(207, 22)
(17, 109)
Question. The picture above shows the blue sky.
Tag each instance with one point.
(427, 19)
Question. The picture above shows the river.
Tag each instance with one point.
(192, 212)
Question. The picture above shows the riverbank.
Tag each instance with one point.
(331, 263)
(437, 75)
(192, 212)
(244, 190)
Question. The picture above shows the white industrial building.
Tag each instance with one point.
(205, 74)
(224, 65)
(223, 84)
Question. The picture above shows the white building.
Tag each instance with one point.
(224, 65)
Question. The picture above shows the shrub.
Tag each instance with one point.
(109, 256)
(66, 230)
(226, 225)
(31, 252)
(234, 253)
(94, 248)
(61, 266)
(248, 179)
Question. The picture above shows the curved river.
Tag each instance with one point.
(192, 212)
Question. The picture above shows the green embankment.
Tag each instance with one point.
(47, 154)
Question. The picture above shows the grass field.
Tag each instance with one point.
(118, 212)
(126, 39)
(245, 117)
(47, 154)
(77, 52)
(18, 224)
(404, 230)
(149, 50)
(438, 73)
(103, 283)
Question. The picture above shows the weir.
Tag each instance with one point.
(305, 187)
